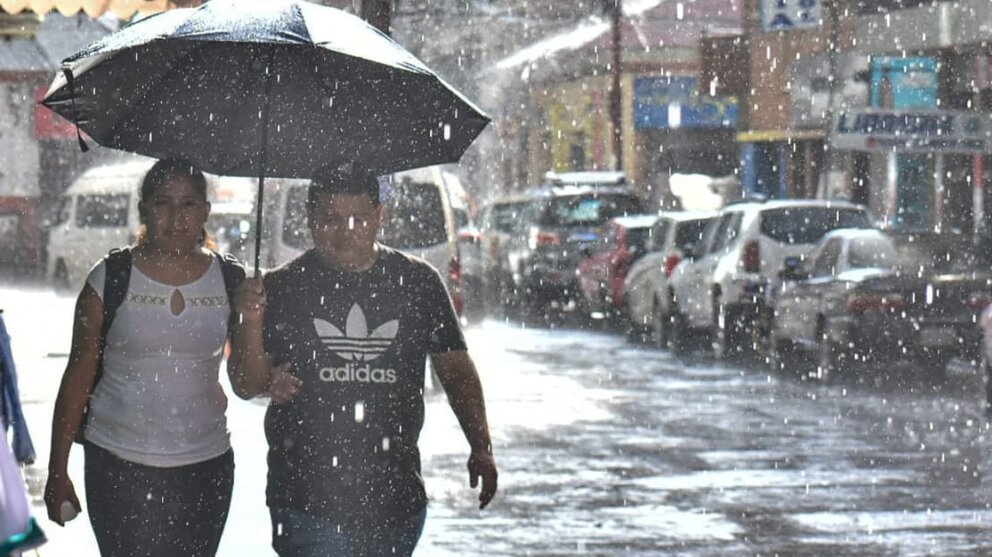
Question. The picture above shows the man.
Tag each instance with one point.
(339, 337)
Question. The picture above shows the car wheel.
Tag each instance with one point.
(680, 334)
(831, 358)
(661, 327)
(60, 279)
(726, 334)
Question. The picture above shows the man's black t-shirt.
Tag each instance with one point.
(346, 446)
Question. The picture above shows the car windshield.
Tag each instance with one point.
(806, 225)
(589, 210)
(917, 253)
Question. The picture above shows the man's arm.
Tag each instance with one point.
(461, 383)
(250, 367)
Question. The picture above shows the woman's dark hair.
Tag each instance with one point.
(161, 171)
(159, 174)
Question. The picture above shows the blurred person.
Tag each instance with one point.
(159, 468)
(345, 330)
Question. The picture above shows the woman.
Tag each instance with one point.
(158, 462)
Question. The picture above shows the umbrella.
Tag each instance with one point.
(279, 88)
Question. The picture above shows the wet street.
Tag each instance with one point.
(611, 448)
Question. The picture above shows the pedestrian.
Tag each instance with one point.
(351, 322)
(150, 329)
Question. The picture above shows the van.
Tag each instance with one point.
(418, 220)
(99, 212)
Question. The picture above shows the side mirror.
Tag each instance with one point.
(689, 251)
(793, 269)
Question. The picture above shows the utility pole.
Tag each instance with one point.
(378, 13)
(831, 161)
(616, 100)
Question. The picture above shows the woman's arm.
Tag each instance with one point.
(74, 392)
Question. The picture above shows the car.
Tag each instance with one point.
(647, 292)
(533, 240)
(231, 223)
(603, 269)
(720, 291)
(874, 296)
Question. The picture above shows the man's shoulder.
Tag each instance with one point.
(289, 272)
(395, 259)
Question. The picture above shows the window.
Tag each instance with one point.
(713, 230)
(102, 211)
(414, 217)
(826, 261)
(728, 232)
(589, 210)
(690, 233)
(505, 217)
(659, 231)
(806, 225)
(295, 231)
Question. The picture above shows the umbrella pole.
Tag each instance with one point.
(263, 154)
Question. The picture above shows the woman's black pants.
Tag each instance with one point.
(144, 511)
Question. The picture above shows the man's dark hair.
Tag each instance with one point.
(346, 180)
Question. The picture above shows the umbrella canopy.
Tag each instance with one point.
(264, 89)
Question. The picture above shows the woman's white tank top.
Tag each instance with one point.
(159, 401)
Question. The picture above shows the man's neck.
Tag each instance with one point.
(364, 264)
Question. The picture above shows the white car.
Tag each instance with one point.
(646, 289)
(720, 291)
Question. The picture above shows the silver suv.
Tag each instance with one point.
(720, 291)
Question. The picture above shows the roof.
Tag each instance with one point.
(636, 221)
(688, 215)
(787, 203)
(647, 24)
(122, 9)
(585, 177)
(111, 178)
(57, 38)
(545, 192)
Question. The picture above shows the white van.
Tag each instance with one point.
(99, 212)
(418, 220)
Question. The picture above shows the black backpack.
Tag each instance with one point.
(117, 278)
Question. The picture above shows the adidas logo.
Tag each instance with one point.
(357, 343)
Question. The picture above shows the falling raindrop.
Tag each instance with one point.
(360, 411)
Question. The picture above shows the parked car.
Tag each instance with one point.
(470, 260)
(602, 271)
(720, 291)
(532, 241)
(231, 223)
(647, 292)
(418, 220)
(872, 296)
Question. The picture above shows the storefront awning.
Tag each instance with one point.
(122, 9)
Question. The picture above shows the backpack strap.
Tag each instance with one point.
(234, 273)
(115, 283)
(117, 276)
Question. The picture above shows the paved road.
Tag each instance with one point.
(607, 448)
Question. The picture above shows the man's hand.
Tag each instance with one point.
(482, 464)
(249, 299)
(283, 385)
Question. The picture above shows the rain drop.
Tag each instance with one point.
(360, 411)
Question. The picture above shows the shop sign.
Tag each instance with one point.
(791, 15)
(909, 131)
(675, 102)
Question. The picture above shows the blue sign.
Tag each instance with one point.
(903, 83)
(674, 102)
